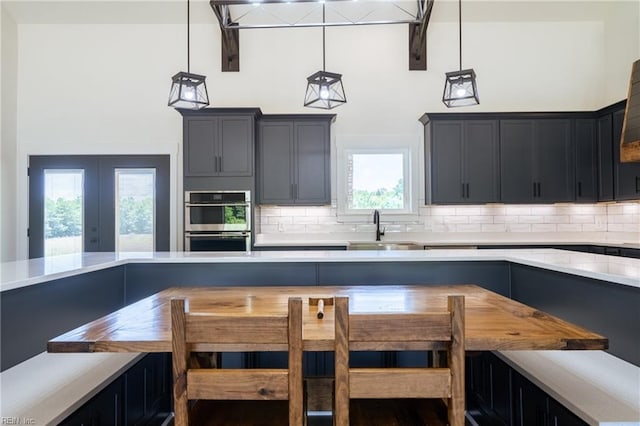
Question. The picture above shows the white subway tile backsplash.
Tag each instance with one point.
(518, 227)
(582, 218)
(544, 227)
(500, 227)
(621, 217)
(556, 219)
(480, 219)
(469, 228)
(530, 219)
(569, 227)
(305, 220)
(594, 227)
(456, 219)
(505, 219)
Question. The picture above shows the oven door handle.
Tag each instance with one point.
(217, 204)
(220, 235)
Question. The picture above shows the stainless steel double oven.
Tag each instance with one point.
(217, 221)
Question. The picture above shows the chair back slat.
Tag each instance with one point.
(400, 327)
(372, 383)
(255, 384)
(205, 328)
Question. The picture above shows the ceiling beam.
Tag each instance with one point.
(230, 38)
(418, 39)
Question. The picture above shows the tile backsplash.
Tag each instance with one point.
(618, 217)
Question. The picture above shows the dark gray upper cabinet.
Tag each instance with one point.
(294, 160)
(464, 161)
(537, 161)
(219, 142)
(586, 160)
(626, 175)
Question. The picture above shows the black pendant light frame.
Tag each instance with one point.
(324, 88)
(460, 87)
(188, 90)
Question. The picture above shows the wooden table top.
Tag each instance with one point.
(493, 322)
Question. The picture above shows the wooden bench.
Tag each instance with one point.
(598, 387)
(47, 388)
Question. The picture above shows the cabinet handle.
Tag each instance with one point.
(637, 184)
(539, 189)
(295, 190)
(463, 193)
(467, 190)
(579, 189)
(291, 191)
(535, 192)
(219, 164)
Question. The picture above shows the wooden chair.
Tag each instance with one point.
(198, 332)
(394, 388)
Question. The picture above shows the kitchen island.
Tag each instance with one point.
(44, 298)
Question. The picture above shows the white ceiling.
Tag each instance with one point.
(174, 12)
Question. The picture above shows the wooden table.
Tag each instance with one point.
(493, 322)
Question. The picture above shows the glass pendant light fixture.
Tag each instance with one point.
(188, 91)
(324, 89)
(460, 86)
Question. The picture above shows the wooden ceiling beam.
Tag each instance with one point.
(230, 38)
(418, 39)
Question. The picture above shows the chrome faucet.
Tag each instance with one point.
(376, 221)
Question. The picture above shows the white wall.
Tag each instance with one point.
(87, 88)
(8, 116)
(622, 48)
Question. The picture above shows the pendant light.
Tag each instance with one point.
(460, 86)
(188, 91)
(324, 89)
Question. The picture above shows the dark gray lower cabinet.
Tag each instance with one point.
(141, 396)
(498, 395)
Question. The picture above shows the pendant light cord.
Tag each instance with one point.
(188, 37)
(323, 39)
(460, 31)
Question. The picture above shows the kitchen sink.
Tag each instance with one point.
(381, 245)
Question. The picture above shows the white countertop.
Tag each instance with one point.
(613, 269)
(598, 387)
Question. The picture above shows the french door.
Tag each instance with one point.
(98, 203)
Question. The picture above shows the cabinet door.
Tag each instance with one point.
(311, 163)
(481, 168)
(200, 136)
(627, 175)
(235, 146)
(446, 162)
(530, 403)
(275, 145)
(586, 164)
(605, 158)
(516, 161)
(560, 416)
(553, 160)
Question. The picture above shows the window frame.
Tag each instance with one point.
(409, 212)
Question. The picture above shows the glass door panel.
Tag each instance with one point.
(63, 211)
(135, 215)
